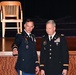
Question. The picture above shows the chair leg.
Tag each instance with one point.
(3, 29)
(17, 27)
(20, 26)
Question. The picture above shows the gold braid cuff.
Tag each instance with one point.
(15, 46)
(65, 64)
(42, 65)
(36, 61)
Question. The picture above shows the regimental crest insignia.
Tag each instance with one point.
(26, 39)
(44, 42)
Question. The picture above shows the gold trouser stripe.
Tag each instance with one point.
(20, 72)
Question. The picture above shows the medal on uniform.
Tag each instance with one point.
(44, 48)
(26, 40)
(57, 43)
(27, 46)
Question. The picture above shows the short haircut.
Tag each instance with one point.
(29, 20)
(51, 22)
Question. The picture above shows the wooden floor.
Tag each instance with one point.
(5, 43)
(7, 58)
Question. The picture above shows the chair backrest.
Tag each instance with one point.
(10, 9)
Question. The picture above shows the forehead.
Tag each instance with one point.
(29, 23)
(49, 25)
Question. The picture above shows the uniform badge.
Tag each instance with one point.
(44, 48)
(26, 40)
(27, 46)
(44, 42)
(57, 41)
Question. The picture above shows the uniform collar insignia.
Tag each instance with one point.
(26, 38)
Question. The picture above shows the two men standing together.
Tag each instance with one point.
(54, 57)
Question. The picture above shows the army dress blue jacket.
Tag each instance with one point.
(54, 55)
(27, 55)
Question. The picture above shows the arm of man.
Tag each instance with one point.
(16, 44)
(15, 51)
(65, 55)
(42, 57)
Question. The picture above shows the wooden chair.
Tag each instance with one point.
(11, 12)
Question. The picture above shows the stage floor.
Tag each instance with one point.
(5, 44)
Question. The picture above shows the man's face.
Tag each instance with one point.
(29, 27)
(50, 29)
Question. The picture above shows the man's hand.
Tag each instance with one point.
(42, 72)
(37, 69)
(64, 72)
(15, 51)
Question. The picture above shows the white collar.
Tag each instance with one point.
(52, 35)
(27, 32)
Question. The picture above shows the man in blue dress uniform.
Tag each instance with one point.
(54, 57)
(25, 47)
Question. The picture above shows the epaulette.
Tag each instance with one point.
(62, 34)
(43, 36)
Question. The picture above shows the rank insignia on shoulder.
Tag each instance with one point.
(43, 36)
(44, 42)
(62, 34)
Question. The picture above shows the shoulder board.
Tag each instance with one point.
(62, 34)
(43, 36)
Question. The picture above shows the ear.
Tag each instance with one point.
(24, 25)
(33, 27)
(54, 28)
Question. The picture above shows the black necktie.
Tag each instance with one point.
(50, 38)
(30, 37)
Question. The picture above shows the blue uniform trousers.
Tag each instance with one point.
(23, 73)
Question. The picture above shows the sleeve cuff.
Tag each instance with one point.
(14, 46)
(42, 66)
(65, 66)
(37, 63)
